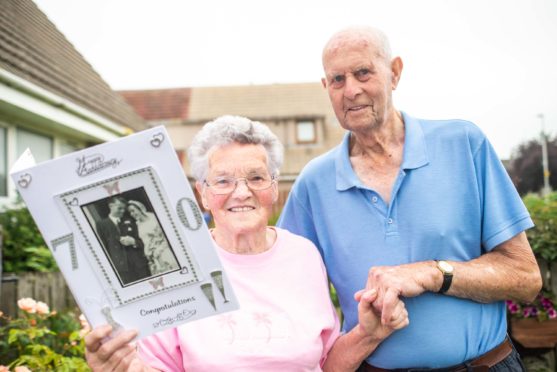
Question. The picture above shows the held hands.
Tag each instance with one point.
(115, 354)
(127, 240)
(371, 321)
(391, 282)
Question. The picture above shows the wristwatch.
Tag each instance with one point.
(447, 270)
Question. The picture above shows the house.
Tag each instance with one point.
(51, 99)
(299, 114)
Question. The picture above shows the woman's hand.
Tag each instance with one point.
(353, 347)
(370, 321)
(115, 354)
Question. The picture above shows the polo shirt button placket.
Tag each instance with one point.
(390, 227)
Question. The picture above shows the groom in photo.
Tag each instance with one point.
(119, 237)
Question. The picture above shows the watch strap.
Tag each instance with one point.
(447, 279)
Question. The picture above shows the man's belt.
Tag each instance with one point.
(480, 364)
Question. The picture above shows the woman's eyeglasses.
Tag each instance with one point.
(226, 185)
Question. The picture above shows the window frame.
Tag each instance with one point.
(303, 141)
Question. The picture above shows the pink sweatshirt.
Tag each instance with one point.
(286, 321)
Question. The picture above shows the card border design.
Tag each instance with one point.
(68, 204)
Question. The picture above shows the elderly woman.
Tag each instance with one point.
(286, 321)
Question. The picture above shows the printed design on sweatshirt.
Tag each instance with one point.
(254, 329)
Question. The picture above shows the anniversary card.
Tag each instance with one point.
(125, 229)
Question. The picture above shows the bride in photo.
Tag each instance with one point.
(156, 246)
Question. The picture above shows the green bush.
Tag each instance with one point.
(42, 340)
(543, 237)
(23, 247)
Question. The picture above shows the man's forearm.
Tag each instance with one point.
(510, 271)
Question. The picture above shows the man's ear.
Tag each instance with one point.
(396, 71)
(324, 82)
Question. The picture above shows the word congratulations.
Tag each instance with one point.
(94, 163)
(180, 317)
(157, 310)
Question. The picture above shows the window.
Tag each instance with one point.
(305, 132)
(66, 147)
(3, 162)
(41, 146)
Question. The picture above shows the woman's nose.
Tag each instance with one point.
(242, 187)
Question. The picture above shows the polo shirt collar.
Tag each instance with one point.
(415, 154)
(346, 178)
(415, 148)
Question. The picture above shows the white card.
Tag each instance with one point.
(152, 268)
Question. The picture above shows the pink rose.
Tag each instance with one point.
(83, 321)
(4, 369)
(22, 369)
(27, 304)
(85, 327)
(42, 308)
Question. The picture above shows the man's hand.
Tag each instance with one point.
(408, 280)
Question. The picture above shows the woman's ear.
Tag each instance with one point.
(201, 190)
(275, 192)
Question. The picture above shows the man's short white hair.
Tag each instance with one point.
(368, 34)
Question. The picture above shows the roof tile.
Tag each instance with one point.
(32, 48)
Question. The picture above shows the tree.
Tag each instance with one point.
(526, 168)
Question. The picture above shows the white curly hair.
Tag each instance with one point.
(230, 129)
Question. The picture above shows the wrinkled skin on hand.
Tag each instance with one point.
(392, 282)
(371, 320)
(115, 354)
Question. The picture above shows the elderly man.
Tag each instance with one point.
(417, 209)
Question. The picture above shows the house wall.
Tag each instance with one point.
(48, 124)
(296, 155)
(281, 106)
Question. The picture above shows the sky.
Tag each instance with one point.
(493, 62)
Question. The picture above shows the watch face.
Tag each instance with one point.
(446, 267)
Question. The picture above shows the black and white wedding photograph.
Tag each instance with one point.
(131, 236)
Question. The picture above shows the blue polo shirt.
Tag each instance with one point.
(452, 199)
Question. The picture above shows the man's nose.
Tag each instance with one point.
(352, 87)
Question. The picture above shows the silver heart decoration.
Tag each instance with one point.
(74, 202)
(24, 180)
(157, 140)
